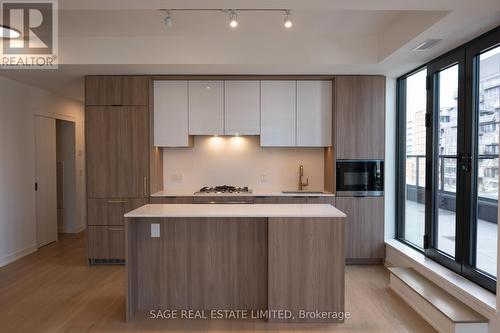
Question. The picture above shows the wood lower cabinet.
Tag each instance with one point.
(320, 200)
(244, 200)
(106, 233)
(110, 211)
(106, 243)
(172, 200)
(306, 265)
(295, 200)
(222, 200)
(364, 228)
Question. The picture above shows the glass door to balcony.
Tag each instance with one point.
(448, 159)
(445, 134)
(481, 222)
(463, 136)
(485, 172)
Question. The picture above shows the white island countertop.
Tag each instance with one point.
(236, 210)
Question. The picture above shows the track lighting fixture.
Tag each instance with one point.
(233, 19)
(288, 21)
(233, 14)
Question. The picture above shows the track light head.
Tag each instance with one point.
(233, 19)
(168, 19)
(287, 22)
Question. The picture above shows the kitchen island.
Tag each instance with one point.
(273, 261)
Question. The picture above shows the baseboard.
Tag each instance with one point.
(364, 261)
(17, 255)
(107, 261)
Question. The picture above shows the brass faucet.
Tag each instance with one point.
(301, 174)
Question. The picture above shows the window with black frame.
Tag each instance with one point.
(483, 227)
(448, 159)
(412, 109)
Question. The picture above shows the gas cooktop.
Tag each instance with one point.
(224, 189)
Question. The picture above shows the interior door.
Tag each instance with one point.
(46, 181)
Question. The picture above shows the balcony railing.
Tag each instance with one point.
(487, 208)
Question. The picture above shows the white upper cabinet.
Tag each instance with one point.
(278, 113)
(314, 113)
(285, 113)
(171, 114)
(206, 107)
(242, 107)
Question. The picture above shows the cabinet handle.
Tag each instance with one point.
(116, 229)
(117, 201)
(145, 186)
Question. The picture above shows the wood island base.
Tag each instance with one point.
(282, 267)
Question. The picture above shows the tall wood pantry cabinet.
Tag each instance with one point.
(360, 134)
(117, 146)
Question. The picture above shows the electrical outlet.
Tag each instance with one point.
(263, 178)
(177, 178)
(155, 230)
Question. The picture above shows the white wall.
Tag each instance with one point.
(390, 159)
(20, 103)
(241, 161)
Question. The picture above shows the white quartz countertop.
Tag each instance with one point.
(236, 210)
(190, 193)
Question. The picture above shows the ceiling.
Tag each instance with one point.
(327, 37)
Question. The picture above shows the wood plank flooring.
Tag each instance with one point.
(54, 290)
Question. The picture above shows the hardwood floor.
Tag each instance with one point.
(54, 290)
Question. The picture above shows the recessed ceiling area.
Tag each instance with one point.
(327, 37)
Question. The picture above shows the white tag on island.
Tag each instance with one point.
(155, 230)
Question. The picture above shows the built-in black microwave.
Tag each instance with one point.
(360, 178)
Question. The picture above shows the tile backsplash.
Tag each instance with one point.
(240, 161)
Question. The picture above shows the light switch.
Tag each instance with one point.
(155, 230)
(177, 178)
